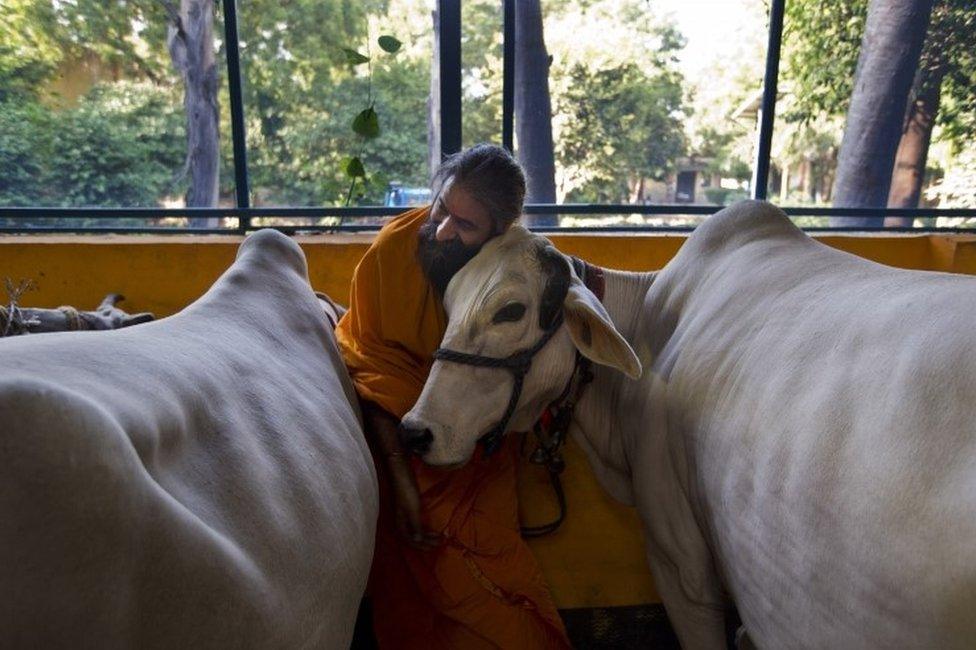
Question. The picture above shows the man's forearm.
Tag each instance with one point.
(381, 432)
(381, 428)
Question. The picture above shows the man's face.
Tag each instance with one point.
(459, 216)
(457, 228)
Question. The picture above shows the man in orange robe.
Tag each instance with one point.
(450, 568)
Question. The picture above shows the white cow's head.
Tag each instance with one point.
(504, 301)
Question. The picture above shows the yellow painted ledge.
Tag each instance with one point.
(596, 558)
(163, 274)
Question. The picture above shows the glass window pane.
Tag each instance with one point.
(651, 102)
(913, 145)
(310, 69)
(92, 108)
(482, 71)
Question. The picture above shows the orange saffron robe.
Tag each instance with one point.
(481, 588)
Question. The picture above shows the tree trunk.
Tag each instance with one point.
(191, 46)
(533, 110)
(889, 57)
(637, 196)
(913, 150)
(434, 102)
(909, 173)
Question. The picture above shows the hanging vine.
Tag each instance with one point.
(366, 124)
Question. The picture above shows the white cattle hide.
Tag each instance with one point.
(802, 441)
(196, 482)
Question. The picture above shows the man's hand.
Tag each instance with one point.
(381, 428)
(407, 507)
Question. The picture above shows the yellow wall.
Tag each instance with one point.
(164, 274)
(596, 558)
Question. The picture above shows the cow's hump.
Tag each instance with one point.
(268, 246)
(742, 223)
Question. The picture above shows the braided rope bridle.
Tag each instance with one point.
(518, 363)
(551, 435)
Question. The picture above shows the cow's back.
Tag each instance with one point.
(198, 481)
(827, 405)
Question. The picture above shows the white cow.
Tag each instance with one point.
(197, 482)
(802, 440)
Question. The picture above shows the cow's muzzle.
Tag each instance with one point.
(415, 441)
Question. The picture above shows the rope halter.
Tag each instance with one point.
(518, 363)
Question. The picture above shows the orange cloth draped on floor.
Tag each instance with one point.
(481, 588)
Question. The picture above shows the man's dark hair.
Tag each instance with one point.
(493, 178)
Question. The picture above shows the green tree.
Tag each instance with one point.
(619, 99)
(302, 97)
(28, 55)
(297, 84)
(723, 142)
(947, 67)
(25, 130)
(126, 36)
(621, 127)
(99, 139)
(311, 141)
(821, 49)
(481, 62)
(293, 61)
(890, 52)
(959, 184)
(117, 147)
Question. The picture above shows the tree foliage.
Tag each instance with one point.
(118, 147)
(321, 76)
(311, 142)
(958, 186)
(481, 65)
(28, 55)
(621, 110)
(954, 27)
(306, 79)
(821, 49)
(620, 125)
(619, 99)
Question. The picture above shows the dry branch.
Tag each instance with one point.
(16, 320)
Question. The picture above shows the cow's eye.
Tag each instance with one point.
(510, 313)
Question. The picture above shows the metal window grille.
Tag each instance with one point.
(449, 15)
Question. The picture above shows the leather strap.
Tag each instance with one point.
(592, 276)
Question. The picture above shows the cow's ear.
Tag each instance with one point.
(594, 334)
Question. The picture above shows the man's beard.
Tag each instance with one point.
(441, 260)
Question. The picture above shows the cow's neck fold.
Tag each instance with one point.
(624, 299)
(598, 415)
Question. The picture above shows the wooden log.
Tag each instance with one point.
(16, 320)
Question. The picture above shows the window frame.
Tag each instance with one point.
(449, 17)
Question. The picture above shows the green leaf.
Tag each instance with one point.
(367, 123)
(390, 44)
(353, 167)
(354, 58)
